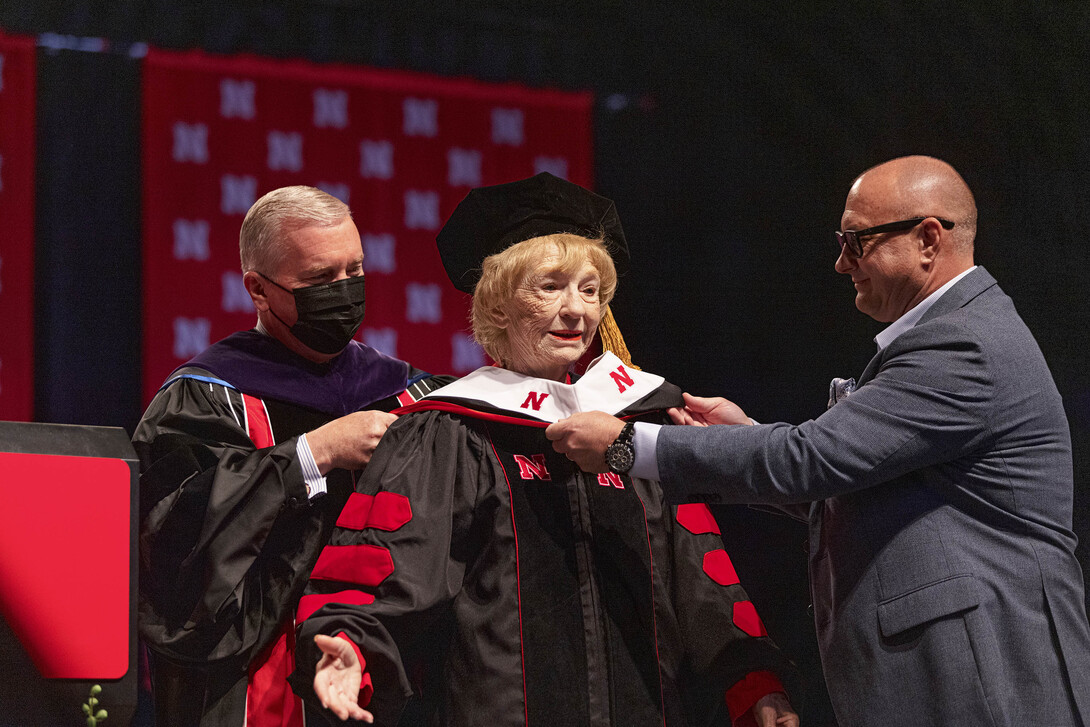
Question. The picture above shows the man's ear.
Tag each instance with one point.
(255, 286)
(932, 240)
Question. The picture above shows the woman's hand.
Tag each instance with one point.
(773, 710)
(337, 679)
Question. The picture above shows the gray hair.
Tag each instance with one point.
(280, 211)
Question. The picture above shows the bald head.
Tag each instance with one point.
(918, 186)
(896, 268)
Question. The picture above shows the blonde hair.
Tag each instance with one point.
(280, 211)
(503, 272)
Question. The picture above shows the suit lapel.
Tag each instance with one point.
(871, 370)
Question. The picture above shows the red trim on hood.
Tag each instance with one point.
(439, 405)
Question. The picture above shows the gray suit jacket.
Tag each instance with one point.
(942, 567)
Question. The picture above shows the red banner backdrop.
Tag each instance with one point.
(17, 97)
(401, 149)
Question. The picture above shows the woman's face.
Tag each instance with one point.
(551, 318)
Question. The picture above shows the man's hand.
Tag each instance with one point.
(583, 438)
(700, 412)
(773, 710)
(337, 680)
(348, 443)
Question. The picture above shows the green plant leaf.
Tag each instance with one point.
(96, 690)
(100, 714)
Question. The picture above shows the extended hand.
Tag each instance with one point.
(700, 412)
(337, 679)
(348, 442)
(773, 710)
(583, 438)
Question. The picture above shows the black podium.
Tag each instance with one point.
(67, 573)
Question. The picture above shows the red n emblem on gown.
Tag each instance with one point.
(621, 379)
(534, 400)
(532, 466)
(605, 479)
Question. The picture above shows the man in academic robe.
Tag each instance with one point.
(246, 459)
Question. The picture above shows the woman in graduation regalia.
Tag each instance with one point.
(486, 580)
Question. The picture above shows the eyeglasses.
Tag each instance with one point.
(852, 239)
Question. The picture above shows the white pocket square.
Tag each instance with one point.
(840, 389)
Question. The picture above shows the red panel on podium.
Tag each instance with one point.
(64, 562)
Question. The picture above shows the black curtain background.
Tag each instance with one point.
(727, 134)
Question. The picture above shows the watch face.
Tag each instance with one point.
(620, 456)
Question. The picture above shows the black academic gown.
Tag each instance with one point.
(487, 581)
(227, 532)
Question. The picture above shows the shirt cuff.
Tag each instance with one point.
(645, 439)
(312, 476)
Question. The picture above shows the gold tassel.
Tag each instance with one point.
(612, 340)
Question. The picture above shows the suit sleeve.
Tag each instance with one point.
(397, 558)
(930, 401)
(226, 532)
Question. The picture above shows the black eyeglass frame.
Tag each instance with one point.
(852, 238)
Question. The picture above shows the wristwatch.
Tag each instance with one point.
(621, 454)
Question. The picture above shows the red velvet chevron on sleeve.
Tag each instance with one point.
(367, 565)
(309, 604)
(697, 518)
(746, 618)
(719, 568)
(383, 511)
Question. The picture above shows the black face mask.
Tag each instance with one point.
(329, 314)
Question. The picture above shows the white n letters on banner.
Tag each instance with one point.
(191, 239)
(420, 117)
(237, 99)
(330, 108)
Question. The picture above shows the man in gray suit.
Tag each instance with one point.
(938, 492)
